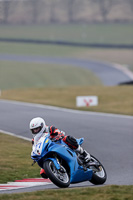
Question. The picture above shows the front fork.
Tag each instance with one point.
(55, 161)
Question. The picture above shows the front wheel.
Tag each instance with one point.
(99, 174)
(58, 177)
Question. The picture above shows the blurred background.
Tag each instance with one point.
(65, 11)
(69, 20)
(87, 30)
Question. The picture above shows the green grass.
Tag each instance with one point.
(37, 49)
(16, 164)
(85, 33)
(101, 193)
(15, 159)
(118, 99)
(25, 75)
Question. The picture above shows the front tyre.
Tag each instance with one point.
(58, 177)
(99, 174)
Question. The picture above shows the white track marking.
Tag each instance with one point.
(58, 109)
(125, 70)
(12, 134)
(66, 109)
(24, 184)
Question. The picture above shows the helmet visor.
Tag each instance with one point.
(36, 130)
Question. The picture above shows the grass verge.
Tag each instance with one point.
(24, 75)
(101, 193)
(15, 161)
(117, 99)
(16, 164)
(84, 33)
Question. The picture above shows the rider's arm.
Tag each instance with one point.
(55, 132)
(32, 142)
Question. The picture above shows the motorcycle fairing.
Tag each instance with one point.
(45, 147)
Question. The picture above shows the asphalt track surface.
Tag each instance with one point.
(108, 73)
(108, 137)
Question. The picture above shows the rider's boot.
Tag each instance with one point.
(86, 156)
(43, 174)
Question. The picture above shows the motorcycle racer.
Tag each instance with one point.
(39, 128)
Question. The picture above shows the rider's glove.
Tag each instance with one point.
(32, 142)
(58, 137)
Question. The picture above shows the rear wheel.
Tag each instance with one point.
(58, 177)
(99, 174)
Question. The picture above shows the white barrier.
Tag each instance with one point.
(86, 101)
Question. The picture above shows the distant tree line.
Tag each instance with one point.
(65, 11)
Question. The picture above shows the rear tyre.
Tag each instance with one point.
(99, 174)
(58, 177)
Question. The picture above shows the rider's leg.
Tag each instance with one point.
(43, 174)
(84, 153)
(72, 143)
